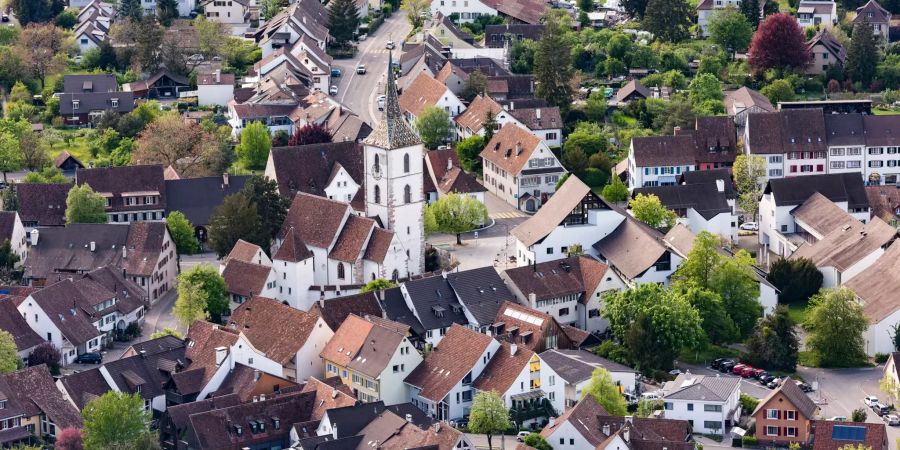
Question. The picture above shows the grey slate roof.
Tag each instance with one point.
(394, 307)
(432, 297)
(482, 291)
(574, 366)
(393, 131)
(701, 197)
(705, 388)
(709, 176)
(196, 198)
(844, 187)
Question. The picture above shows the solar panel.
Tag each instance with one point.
(848, 433)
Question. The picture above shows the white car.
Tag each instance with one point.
(381, 102)
(750, 226)
(333, 90)
(892, 419)
(651, 396)
(361, 69)
(870, 400)
(389, 45)
(838, 419)
(522, 435)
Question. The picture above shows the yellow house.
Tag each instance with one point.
(32, 406)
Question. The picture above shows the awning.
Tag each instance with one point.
(14, 434)
(532, 395)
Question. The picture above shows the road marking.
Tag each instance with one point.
(506, 215)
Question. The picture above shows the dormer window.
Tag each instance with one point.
(76, 104)
(114, 102)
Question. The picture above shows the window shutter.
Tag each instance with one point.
(779, 414)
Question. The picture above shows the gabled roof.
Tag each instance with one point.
(688, 386)
(527, 11)
(710, 176)
(788, 130)
(632, 248)
(878, 13)
(527, 327)
(678, 150)
(119, 180)
(12, 322)
(744, 98)
(632, 87)
(503, 369)
(352, 241)
(511, 148)
(334, 311)
(307, 168)
(43, 204)
(552, 213)
(363, 345)
(202, 340)
(64, 305)
(273, 328)
(573, 275)
(395, 309)
(423, 92)
(792, 392)
(197, 198)
(432, 298)
(144, 374)
(584, 417)
(829, 435)
(882, 131)
(35, 390)
(449, 362)
(292, 248)
(849, 244)
(82, 387)
(843, 187)
(330, 393)
(245, 279)
(447, 170)
(317, 220)
(845, 129)
(536, 119)
(379, 244)
(575, 366)
(704, 198)
(822, 215)
(493, 34)
(474, 116)
(885, 200)
(97, 82)
(64, 156)
(481, 291)
(877, 286)
(825, 39)
(243, 251)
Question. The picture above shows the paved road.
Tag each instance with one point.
(360, 92)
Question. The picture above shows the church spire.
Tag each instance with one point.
(393, 131)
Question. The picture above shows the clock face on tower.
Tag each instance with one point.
(376, 171)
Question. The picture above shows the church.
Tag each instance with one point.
(356, 214)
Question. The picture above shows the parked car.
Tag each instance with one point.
(716, 363)
(870, 401)
(89, 358)
(651, 396)
(389, 45)
(748, 372)
(630, 399)
(805, 387)
(838, 419)
(727, 366)
(750, 226)
(6, 17)
(761, 374)
(774, 383)
(738, 368)
(892, 419)
(381, 103)
(336, 73)
(881, 409)
(361, 69)
(333, 90)
(675, 372)
(362, 37)
(522, 435)
(766, 379)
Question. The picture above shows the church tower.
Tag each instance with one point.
(394, 177)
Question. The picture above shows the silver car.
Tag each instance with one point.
(892, 419)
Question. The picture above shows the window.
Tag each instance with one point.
(775, 159)
(593, 313)
(712, 424)
(793, 169)
(467, 396)
(837, 164)
(790, 415)
(876, 151)
(690, 406)
(854, 164)
(467, 380)
(837, 152)
(406, 163)
(114, 103)
(551, 380)
(775, 172)
(549, 250)
(377, 192)
(563, 312)
(668, 406)
(876, 164)
(76, 104)
(790, 431)
(396, 368)
(340, 271)
(772, 414)
(712, 408)
(551, 136)
(771, 431)
(407, 194)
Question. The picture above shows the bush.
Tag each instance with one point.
(881, 358)
(611, 350)
(595, 177)
(749, 441)
(748, 403)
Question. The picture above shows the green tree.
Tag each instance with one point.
(207, 278)
(378, 284)
(654, 324)
(588, 137)
(575, 159)
(47, 175)
(67, 19)
(797, 280)
(457, 214)
(20, 93)
(8, 261)
(236, 218)
(748, 171)
(646, 407)
(115, 420)
(862, 56)
(167, 331)
(702, 261)
(269, 8)
(166, 10)
(718, 325)
(705, 87)
(213, 36)
(11, 158)
(595, 106)
(83, 205)
(750, 10)
(182, 233)
(343, 20)
(489, 125)
(131, 9)
(615, 191)
(271, 207)
(553, 61)
(778, 91)
(416, 11)
(488, 415)
(521, 56)
(191, 304)
(476, 85)
(536, 441)
(858, 415)
(606, 392)
(254, 147)
(468, 151)
(433, 125)
(668, 20)
(9, 356)
(836, 324)
(648, 209)
(730, 29)
(735, 281)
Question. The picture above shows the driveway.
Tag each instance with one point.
(360, 92)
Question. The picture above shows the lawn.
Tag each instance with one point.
(798, 312)
(884, 112)
(705, 356)
(75, 143)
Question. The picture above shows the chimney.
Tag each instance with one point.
(143, 353)
(606, 429)
(512, 349)
(506, 107)
(225, 179)
(255, 399)
(449, 163)
(334, 431)
(537, 113)
(124, 252)
(676, 130)
(409, 418)
(93, 246)
(262, 397)
(512, 106)
(437, 427)
(720, 185)
(218, 76)
(532, 300)
(35, 234)
(221, 352)
(256, 375)
(518, 148)
(628, 419)
(626, 434)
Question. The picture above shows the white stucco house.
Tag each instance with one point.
(12, 230)
(566, 373)
(711, 404)
(215, 88)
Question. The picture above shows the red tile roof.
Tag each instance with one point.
(449, 362)
(511, 148)
(503, 369)
(273, 328)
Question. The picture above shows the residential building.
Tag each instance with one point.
(41, 205)
(827, 53)
(633, 90)
(198, 198)
(161, 85)
(520, 168)
(86, 97)
(793, 141)
(778, 227)
(885, 202)
(529, 328)
(544, 122)
(588, 426)
(447, 176)
(12, 322)
(287, 336)
(744, 101)
(890, 368)
(143, 250)
(94, 21)
(565, 374)
(133, 193)
(571, 290)
(514, 374)
(501, 36)
(711, 404)
(231, 12)
(81, 315)
(13, 231)
(442, 384)
(882, 152)
(875, 289)
(785, 415)
(574, 216)
(304, 17)
(817, 14)
(248, 253)
(215, 88)
(699, 206)
(876, 16)
(443, 29)
(654, 264)
(34, 410)
(470, 298)
(426, 91)
(244, 280)
(336, 310)
(831, 434)
(143, 375)
(372, 356)
(707, 8)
